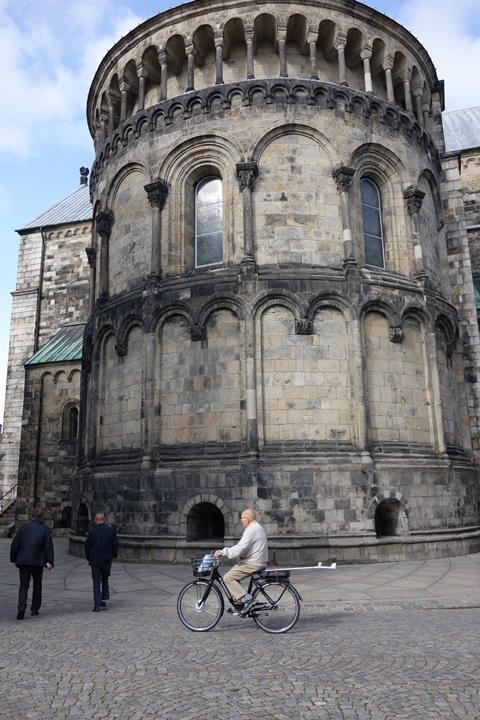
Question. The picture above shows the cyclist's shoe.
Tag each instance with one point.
(247, 607)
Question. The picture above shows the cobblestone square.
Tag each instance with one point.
(373, 642)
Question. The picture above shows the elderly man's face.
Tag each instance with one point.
(245, 519)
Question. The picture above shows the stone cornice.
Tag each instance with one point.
(317, 94)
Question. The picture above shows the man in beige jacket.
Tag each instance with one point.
(252, 554)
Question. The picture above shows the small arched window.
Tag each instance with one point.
(209, 222)
(70, 424)
(372, 223)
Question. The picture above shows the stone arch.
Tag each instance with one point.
(286, 299)
(152, 71)
(176, 62)
(72, 374)
(283, 128)
(120, 176)
(124, 330)
(265, 27)
(69, 421)
(331, 300)
(165, 314)
(191, 161)
(390, 512)
(430, 178)
(385, 169)
(383, 308)
(222, 302)
(298, 63)
(234, 50)
(203, 40)
(203, 499)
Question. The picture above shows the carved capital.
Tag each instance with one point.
(343, 176)
(104, 221)
(121, 347)
(157, 192)
(91, 256)
(366, 52)
(396, 334)
(340, 42)
(249, 35)
(198, 332)
(303, 327)
(387, 63)
(414, 198)
(247, 172)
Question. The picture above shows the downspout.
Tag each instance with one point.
(36, 499)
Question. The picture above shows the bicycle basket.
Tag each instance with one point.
(202, 566)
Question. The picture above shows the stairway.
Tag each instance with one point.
(7, 512)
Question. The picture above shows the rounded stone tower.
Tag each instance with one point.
(272, 319)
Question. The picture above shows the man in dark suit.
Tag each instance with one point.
(32, 550)
(100, 549)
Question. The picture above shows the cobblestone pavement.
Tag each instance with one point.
(407, 657)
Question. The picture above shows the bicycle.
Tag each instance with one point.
(200, 604)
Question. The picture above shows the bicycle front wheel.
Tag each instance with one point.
(198, 607)
(277, 607)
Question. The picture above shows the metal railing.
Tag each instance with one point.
(8, 498)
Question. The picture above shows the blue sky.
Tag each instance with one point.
(49, 50)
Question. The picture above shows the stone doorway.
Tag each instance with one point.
(205, 522)
(390, 519)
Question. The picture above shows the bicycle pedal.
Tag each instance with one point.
(232, 612)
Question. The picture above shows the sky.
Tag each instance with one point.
(49, 51)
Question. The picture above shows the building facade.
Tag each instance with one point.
(282, 307)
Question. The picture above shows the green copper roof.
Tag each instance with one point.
(66, 345)
(476, 285)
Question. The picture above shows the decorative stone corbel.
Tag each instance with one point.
(396, 334)
(304, 327)
(198, 332)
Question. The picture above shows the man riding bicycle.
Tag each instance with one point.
(252, 554)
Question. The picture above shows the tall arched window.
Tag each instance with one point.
(372, 223)
(209, 222)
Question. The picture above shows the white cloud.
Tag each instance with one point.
(48, 54)
(450, 32)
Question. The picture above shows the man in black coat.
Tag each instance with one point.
(100, 549)
(31, 551)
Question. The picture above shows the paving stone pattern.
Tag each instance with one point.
(413, 656)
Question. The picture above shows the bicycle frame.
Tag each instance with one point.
(255, 588)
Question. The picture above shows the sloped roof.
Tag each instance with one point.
(74, 208)
(462, 129)
(66, 345)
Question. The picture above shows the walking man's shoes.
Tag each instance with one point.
(20, 615)
(96, 609)
(34, 613)
(104, 604)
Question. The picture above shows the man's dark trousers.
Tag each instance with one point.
(100, 575)
(36, 573)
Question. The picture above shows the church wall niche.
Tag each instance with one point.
(201, 386)
(305, 381)
(121, 384)
(396, 383)
(130, 239)
(297, 215)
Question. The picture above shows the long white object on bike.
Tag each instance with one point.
(320, 566)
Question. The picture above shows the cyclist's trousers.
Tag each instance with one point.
(240, 571)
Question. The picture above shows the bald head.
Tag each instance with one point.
(248, 515)
(99, 518)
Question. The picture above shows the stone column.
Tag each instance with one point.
(110, 114)
(343, 176)
(247, 173)
(157, 192)
(142, 78)
(417, 94)
(414, 198)
(340, 44)
(436, 396)
(366, 54)
(124, 88)
(312, 44)
(387, 66)
(282, 51)
(148, 400)
(104, 222)
(407, 90)
(92, 262)
(162, 59)
(104, 120)
(355, 333)
(250, 62)
(252, 428)
(190, 68)
(219, 60)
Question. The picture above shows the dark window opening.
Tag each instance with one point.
(70, 424)
(372, 223)
(205, 522)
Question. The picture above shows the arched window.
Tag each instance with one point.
(70, 424)
(372, 223)
(208, 222)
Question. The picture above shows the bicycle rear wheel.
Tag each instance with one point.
(278, 607)
(197, 611)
